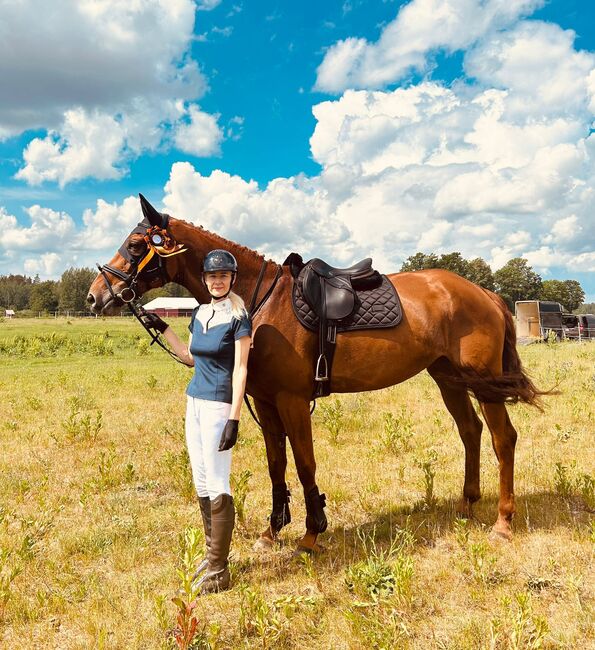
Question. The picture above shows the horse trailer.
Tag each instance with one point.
(535, 319)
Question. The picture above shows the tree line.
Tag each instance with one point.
(516, 280)
(68, 294)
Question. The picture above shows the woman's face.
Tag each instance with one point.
(218, 283)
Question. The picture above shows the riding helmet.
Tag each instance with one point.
(219, 260)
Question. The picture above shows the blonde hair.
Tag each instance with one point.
(238, 308)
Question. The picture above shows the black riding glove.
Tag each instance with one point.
(229, 437)
(154, 321)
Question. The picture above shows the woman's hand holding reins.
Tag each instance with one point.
(229, 437)
(154, 321)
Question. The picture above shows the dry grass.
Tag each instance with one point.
(95, 499)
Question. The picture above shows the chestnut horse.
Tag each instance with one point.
(462, 334)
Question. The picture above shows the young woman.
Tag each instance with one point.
(218, 349)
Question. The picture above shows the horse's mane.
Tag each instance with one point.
(240, 247)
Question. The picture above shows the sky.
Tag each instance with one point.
(338, 129)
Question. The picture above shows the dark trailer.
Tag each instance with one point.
(535, 319)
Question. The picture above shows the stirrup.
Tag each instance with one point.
(321, 362)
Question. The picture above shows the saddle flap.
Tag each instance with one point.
(331, 299)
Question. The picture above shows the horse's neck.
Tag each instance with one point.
(199, 242)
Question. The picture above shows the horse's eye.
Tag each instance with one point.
(137, 246)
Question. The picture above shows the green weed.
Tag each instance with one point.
(180, 472)
(333, 418)
(427, 466)
(77, 427)
(269, 622)
(397, 431)
(573, 485)
(240, 489)
(187, 634)
(518, 628)
(384, 572)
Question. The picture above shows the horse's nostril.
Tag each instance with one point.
(91, 299)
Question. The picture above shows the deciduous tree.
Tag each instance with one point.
(479, 271)
(567, 292)
(516, 280)
(44, 296)
(74, 288)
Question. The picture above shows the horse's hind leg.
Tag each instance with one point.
(459, 405)
(273, 432)
(504, 438)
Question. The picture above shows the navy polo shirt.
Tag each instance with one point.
(214, 332)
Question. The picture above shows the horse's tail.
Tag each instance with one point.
(514, 385)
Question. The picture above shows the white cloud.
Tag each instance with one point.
(86, 146)
(420, 28)
(207, 5)
(48, 229)
(201, 136)
(92, 67)
(287, 212)
(539, 68)
(97, 55)
(46, 266)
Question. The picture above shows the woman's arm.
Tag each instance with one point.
(240, 372)
(179, 347)
(182, 351)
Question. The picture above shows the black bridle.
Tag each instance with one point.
(150, 264)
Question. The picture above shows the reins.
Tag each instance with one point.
(159, 245)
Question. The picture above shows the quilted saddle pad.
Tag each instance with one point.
(375, 308)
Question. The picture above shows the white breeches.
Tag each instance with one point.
(205, 420)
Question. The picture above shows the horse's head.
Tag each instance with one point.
(139, 265)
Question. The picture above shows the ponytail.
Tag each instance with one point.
(238, 308)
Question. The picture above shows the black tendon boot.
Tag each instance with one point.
(280, 515)
(216, 577)
(205, 511)
(315, 517)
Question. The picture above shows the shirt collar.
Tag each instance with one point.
(222, 305)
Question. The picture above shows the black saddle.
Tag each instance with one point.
(327, 299)
(327, 271)
(331, 292)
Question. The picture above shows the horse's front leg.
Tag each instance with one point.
(274, 437)
(295, 414)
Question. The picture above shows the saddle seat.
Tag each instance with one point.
(328, 271)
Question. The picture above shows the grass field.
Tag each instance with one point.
(98, 520)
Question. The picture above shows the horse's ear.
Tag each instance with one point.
(150, 214)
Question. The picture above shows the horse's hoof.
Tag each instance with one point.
(306, 550)
(500, 535)
(263, 545)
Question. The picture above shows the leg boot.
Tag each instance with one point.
(205, 510)
(216, 577)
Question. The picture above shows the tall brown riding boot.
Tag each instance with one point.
(216, 577)
(205, 511)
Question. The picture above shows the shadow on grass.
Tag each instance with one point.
(539, 511)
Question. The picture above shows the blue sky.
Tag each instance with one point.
(337, 129)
